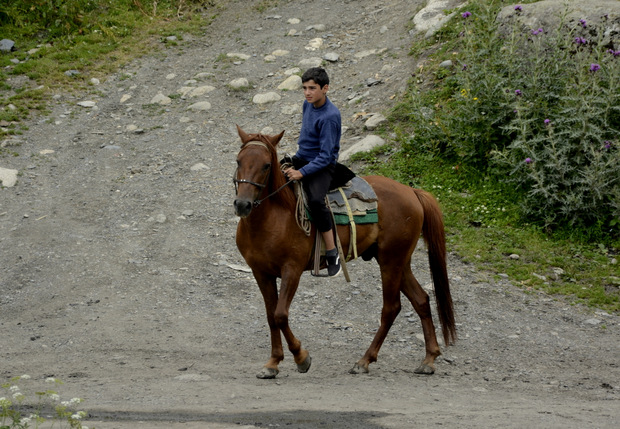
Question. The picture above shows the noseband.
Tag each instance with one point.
(260, 186)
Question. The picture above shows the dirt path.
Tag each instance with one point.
(119, 274)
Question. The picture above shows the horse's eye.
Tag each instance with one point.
(238, 163)
(267, 166)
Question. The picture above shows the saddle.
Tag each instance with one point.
(351, 200)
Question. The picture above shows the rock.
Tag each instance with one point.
(239, 83)
(592, 322)
(291, 83)
(514, 256)
(199, 166)
(446, 64)
(8, 177)
(94, 81)
(374, 121)
(161, 99)
(87, 103)
(189, 92)
(364, 145)
(200, 106)
(279, 53)
(315, 44)
(367, 53)
(293, 21)
(268, 97)
(332, 57)
(239, 56)
(7, 45)
(310, 62)
(72, 73)
(431, 18)
(125, 98)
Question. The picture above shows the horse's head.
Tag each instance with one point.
(253, 176)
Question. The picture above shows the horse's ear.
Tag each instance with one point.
(243, 135)
(274, 140)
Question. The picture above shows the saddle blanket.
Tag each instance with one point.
(362, 202)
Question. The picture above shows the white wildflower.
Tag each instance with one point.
(25, 377)
(50, 380)
(75, 401)
(14, 388)
(54, 397)
(19, 396)
(25, 421)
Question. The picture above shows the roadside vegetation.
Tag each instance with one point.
(518, 139)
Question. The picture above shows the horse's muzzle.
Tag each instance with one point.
(243, 207)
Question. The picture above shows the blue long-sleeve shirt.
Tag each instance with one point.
(319, 139)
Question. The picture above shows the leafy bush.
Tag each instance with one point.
(537, 108)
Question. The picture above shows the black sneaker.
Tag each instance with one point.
(333, 264)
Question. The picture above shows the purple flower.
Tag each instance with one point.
(614, 53)
(547, 121)
(581, 41)
(583, 23)
(607, 144)
(464, 66)
(466, 14)
(518, 8)
(518, 92)
(528, 160)
(594, 67)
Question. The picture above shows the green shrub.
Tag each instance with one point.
(539, 109)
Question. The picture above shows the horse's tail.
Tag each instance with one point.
(435, 238)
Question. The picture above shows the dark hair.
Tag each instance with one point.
(317, 74)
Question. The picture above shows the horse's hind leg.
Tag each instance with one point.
(419, 299)
(391, 308)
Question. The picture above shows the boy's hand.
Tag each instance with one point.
(292, 174)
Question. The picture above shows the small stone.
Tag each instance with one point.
(374, 121)
(446, 64)
(161, 99)
(95, 81)
(239, 83)
(87, 103)
(7, 45)
(125, 98)
(592, 322)
(514, 256)
(72, 73)
(332, 57)
(315, 44)
(200, 106)
(8, 177)
(268, 97)
(291, 83)
(238, 55)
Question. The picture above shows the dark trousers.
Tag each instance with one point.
(316, 186)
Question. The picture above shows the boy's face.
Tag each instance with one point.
(314, 93)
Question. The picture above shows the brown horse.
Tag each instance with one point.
(274, 246)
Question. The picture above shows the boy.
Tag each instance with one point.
(315, 160)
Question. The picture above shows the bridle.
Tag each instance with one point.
(260, 186)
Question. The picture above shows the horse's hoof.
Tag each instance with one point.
(425, 369)
(267, 373)
(357, 369)
(305, 365)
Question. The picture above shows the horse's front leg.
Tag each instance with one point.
(288, 287)
(269, 290)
